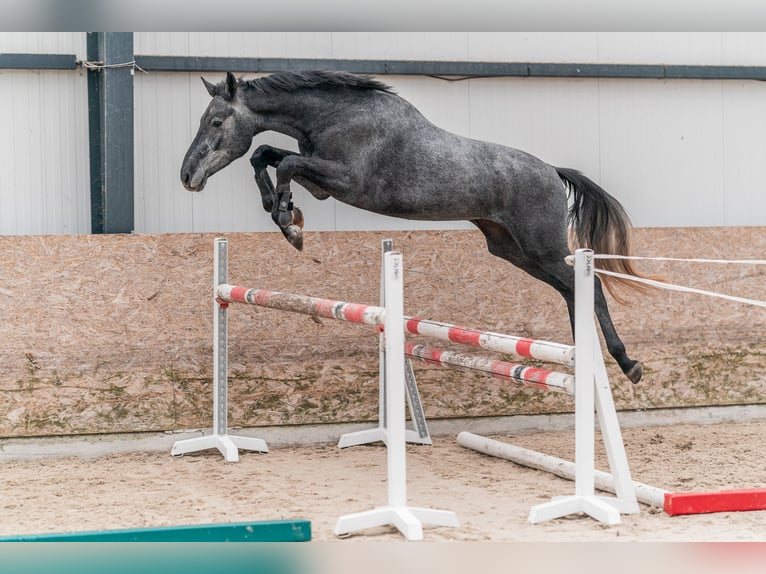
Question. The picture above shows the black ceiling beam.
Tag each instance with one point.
(451, 68)
(38, 62)
(402, 67)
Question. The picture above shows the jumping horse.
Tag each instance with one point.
(366, 146)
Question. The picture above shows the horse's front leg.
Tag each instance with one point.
(263, 157)
(318, 174)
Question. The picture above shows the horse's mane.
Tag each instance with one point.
(289, 81)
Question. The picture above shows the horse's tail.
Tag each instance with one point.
(597, 221)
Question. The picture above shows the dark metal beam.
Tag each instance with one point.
(95, 137)
(401, 67)
(110, 104)
(596, 71)
(38, 62)
(452, 68)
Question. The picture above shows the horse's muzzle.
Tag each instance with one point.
(189, 184)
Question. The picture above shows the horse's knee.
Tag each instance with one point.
(258, 159)
(266, 155)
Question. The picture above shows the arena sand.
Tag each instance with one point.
(491, 497)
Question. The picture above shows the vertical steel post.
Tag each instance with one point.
(110, 106)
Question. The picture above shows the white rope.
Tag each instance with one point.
(682, 289)
(101, 66)
(638, 258)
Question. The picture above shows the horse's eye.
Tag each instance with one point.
(217, 123)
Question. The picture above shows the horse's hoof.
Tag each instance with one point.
(298, 217)
(635, 373)
(294, 236)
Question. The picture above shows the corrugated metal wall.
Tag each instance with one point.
(675, 152)
(44, 179)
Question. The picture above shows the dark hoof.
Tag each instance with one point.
(635, 373)
(298, 217)
(294, 236)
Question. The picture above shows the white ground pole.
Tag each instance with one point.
(590, 381)
(650, 495)
(407, 519)
(420, 434)
(227, 444)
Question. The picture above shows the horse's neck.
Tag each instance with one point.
(295, 114)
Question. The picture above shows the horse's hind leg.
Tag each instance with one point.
(554, 271)
(632, 368)
(561, 277)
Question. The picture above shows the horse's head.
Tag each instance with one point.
(225, 133)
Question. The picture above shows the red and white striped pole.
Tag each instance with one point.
(525, 375)
(498, 342)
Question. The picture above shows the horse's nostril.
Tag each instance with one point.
(185, 177)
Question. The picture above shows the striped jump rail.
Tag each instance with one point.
(373, 315)
(529, 376)
(316, 306)
(506, 344)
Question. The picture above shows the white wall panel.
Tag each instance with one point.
(743, 49)
(235, 44)
(163, 43)
(400, 45)
(692, 48)
(533, 47)
(661, 150)
(682, 48)
(43, 43)
(555, 120)
(44, 185)
(676, 152)
(443, 103)
(744, 153)
(163, 127)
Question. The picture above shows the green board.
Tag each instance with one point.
(276, 531)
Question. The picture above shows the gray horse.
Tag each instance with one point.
(364, 145)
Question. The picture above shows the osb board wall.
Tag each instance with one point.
(113, 333)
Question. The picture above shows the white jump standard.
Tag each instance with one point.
(227, 444)
(418, 435)
(592, 392)
(408, 520)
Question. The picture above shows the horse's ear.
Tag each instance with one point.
(231, 85)
(211, 88)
